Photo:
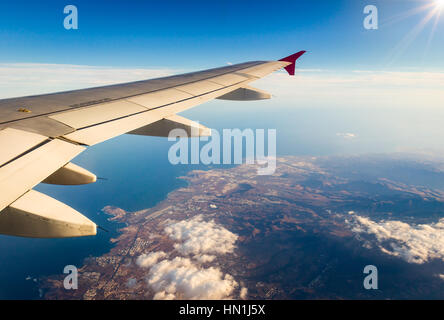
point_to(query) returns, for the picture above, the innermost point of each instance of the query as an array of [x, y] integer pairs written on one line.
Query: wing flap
[[230, 79], [86, 117], [15, 142], [200, 87], [160, 98], [43, 126], [22, 174], [101, 132]]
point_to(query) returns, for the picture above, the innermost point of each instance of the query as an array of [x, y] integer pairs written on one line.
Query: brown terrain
[[292, 240]]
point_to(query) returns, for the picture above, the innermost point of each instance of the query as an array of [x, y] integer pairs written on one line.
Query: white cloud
[[150, 259], [358, 88], [205, 258], [347, 135], [310, 87], [22, 79], [243, 293], [185, 277], [199, 237], [181, 278], [413, 243]]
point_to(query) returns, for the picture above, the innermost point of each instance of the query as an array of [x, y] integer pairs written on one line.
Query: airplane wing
[[40, 135]]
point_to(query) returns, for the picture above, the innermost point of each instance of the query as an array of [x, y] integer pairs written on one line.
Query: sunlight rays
[[439, 4], [435, 9], [407, 14]]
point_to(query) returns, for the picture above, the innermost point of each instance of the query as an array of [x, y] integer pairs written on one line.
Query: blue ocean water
[[139, 175]]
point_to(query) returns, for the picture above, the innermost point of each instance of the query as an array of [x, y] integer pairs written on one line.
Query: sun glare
[[432, 10]]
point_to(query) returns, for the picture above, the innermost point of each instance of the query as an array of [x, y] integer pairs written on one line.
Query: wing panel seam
[[162, 106], [26, 152]]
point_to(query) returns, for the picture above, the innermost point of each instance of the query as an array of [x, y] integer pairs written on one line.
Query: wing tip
[[292, 59]]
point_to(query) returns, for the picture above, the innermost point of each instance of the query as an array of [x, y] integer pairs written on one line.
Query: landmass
[[305, 232]]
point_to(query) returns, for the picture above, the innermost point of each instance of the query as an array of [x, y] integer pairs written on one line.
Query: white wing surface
[[40, 135]]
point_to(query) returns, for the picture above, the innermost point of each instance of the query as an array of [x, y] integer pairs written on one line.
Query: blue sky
[[201, 34]]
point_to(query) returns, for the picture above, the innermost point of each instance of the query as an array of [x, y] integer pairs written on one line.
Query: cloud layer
[[182, 278], [198, 237], [310, 86], [412, 243], [358, 88], [150, 259], [346, 135], [22, 79], [187, 276]]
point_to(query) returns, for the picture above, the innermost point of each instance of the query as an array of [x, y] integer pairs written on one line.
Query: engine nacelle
[[37, 215], [71, 175]]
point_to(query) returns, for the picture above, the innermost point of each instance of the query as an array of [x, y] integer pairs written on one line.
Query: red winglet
[[291, 67]]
